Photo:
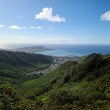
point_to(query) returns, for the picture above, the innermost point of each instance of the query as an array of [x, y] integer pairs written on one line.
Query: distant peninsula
[[32, 49]]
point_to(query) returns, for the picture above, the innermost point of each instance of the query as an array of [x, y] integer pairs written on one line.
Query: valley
[[58, 61], [54, 83], [54, 54]]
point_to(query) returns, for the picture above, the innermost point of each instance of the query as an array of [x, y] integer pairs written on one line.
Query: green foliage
[[85, 85], [73, 86], [10, 101], [14, 66], [22, 58]]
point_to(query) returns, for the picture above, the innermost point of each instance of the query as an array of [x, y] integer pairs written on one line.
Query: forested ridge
[[22, 58], [75, 85], [14, 66]]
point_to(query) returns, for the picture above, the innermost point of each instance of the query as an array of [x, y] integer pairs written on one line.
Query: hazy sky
[[55, 21]]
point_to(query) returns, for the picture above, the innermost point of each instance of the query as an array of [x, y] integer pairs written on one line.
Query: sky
[[55, 21]]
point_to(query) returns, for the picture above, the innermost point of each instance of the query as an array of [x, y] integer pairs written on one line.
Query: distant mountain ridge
[[32, 49]]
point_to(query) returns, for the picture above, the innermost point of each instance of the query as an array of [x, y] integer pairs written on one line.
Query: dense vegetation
[[14, 66], [82, 85], [22, 58], [9, 99]]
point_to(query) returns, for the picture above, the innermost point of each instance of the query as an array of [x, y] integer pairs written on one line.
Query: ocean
[[76, 50], [67, 50]]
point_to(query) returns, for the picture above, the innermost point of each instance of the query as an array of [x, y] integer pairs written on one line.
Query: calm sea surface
[[68, 50], [76, 50]]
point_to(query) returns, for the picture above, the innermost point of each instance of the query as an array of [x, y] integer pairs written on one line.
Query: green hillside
[[22, 58], [74, 85], [15, 65], [87, 57]]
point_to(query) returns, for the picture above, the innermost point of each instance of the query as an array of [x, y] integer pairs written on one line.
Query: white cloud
[[2, 25], [47, 14], [32, 27], [39, 27], [105, 16], [15, 27], [23, 27]]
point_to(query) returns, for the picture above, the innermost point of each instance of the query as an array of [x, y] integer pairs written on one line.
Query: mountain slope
[[22, 58], [17, 64], [73, 86]]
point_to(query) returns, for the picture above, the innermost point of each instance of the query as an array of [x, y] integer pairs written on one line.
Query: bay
[[76, 50]]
